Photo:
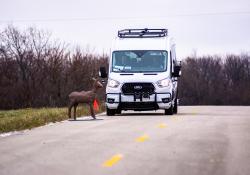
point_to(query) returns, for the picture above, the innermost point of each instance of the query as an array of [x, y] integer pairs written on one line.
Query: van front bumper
[[138, 101]]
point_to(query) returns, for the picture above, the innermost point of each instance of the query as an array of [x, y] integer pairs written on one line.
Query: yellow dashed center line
[[142, 138], [175, 118], [113, 160], [162, 125], [194, 111]]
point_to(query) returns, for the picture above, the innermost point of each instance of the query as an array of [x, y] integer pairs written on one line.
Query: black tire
[[175, 110], [169, 111], [118, 111], [110, 112]]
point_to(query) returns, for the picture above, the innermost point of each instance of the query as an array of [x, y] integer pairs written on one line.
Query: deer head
[[97, 84]]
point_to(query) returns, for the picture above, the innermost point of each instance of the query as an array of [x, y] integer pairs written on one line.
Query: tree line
[[215, 80], [38, 72]]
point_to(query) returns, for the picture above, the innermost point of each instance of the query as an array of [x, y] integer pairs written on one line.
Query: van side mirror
[[177, 71], [103, 72]]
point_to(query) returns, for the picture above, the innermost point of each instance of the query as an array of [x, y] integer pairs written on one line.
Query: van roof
[[158, 43]]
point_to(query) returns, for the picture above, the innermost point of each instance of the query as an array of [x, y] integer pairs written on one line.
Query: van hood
[[138, 77]]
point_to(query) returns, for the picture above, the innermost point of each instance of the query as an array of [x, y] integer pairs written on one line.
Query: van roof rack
[[142, 33]]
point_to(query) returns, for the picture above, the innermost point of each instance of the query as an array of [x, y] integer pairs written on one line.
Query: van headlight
[[113, 83], [164, 83]]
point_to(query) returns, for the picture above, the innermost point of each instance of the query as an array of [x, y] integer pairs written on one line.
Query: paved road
[[199, 140]]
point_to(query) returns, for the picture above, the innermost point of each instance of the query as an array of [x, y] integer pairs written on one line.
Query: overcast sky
[[204, 26]]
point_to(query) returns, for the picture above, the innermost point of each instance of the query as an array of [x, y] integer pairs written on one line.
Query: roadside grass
[[16, 120]]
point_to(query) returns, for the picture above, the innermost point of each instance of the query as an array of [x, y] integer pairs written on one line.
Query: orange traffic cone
[[95, 105]]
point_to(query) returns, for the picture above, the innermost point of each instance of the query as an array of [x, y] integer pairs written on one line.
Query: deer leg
[[69, 109], [92, 110], [75, 105]]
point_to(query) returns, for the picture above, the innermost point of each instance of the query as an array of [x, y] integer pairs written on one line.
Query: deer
[[87, 97]]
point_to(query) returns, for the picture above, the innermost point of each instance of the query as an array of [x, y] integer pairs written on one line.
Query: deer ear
[[93, 79]]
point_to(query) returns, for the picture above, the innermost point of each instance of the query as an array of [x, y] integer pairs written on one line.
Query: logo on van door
[[137, 87]]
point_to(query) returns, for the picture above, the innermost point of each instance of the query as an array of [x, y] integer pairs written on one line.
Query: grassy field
[[14, 120]]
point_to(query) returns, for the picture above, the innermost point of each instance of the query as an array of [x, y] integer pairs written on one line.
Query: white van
[[142, 73]]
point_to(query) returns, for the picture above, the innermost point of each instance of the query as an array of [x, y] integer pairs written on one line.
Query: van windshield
[[139, 61]]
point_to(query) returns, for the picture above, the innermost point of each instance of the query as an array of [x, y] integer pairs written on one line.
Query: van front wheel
[[169, 111], [118, 111], [110, 112], [175, 110]]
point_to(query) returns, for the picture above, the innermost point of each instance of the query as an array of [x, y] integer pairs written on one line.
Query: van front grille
[[138, 88]]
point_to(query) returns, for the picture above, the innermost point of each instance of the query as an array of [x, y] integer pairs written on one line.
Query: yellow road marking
[[113, 160], [194, 111], [175, 118], [142, 138], [162, 125]]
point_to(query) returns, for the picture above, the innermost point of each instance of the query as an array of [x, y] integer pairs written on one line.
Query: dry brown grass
[[14, 120]]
